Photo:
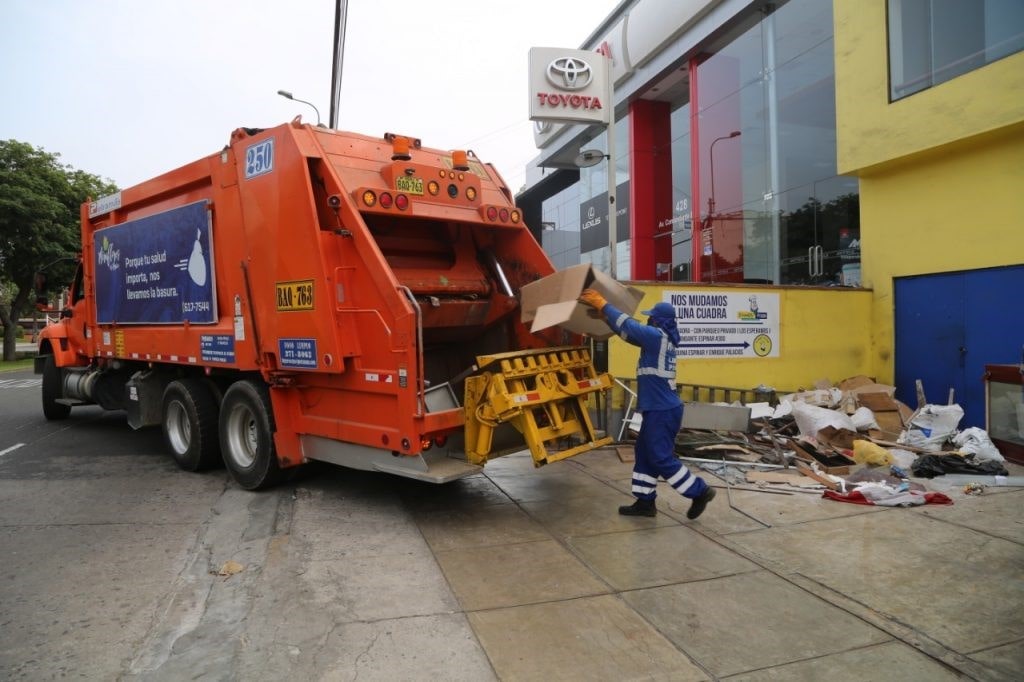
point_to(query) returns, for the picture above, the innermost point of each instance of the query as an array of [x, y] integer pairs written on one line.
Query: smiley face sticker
[[762, 345]]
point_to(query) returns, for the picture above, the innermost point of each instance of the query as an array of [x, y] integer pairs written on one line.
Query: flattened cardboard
[[551, 301]]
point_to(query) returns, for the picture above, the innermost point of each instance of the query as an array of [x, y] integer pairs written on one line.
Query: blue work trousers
[[656, 457]]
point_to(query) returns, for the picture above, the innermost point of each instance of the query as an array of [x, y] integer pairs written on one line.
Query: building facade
[[869, 144]]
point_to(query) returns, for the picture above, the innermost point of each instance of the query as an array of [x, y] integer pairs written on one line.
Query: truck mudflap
[[543, 394]]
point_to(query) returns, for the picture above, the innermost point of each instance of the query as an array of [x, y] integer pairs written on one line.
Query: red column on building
[[650, 187]]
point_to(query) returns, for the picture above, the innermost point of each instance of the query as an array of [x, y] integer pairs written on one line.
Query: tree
[[39, 208]]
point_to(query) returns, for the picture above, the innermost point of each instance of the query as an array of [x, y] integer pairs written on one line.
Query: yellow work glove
[[592, 298]]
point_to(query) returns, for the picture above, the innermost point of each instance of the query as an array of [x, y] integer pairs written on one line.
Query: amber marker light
[[400, 148], [471, 193], [433, 187], [515, 216], [369, 198]]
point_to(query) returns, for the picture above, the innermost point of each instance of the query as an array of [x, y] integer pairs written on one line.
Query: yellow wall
[[941, 171], [960, 208], [823, 333], [872, 131]]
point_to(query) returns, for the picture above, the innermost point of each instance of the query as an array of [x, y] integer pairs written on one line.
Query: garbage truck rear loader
[[311, 294]]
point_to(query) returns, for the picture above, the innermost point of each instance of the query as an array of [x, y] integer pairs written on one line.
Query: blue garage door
[[949, 326]]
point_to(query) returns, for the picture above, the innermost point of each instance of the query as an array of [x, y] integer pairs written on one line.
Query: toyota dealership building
[[873, 147]]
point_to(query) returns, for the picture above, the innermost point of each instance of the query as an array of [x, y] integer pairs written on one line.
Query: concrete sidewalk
[[524, 574]]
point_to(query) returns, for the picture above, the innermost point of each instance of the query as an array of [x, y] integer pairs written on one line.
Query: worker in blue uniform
[[659, 403]]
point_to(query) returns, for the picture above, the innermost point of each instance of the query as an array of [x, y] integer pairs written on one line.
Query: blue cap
[[662, 309]]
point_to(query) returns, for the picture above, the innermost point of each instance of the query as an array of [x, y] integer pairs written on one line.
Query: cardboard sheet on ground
[[551, 301]]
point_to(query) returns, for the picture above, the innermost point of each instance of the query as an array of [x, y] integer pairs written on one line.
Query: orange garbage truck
[[312, 294]]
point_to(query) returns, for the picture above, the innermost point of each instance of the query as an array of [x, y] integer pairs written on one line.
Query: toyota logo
[[569, 73]]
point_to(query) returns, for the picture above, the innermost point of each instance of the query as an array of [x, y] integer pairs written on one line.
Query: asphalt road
[[112, 562]]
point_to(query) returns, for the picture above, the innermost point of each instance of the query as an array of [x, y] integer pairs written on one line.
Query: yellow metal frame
[[542, 393]]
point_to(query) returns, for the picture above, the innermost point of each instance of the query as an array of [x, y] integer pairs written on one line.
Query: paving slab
[[931, 575], [498, 524], [594, 638], [995, 513], [657, 556], [591, 515], [557, 484], [604, 463], [1006, 662], [509, 575], [471, 492], [749, 622], [890, 661], [440, 647]]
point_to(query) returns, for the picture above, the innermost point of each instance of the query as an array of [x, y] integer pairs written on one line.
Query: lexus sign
[[568, 85]]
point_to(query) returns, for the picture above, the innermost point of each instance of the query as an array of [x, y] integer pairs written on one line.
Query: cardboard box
[[551, 301]]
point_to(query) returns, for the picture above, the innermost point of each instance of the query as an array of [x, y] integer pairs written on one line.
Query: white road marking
[[20, 383], [11, 449]]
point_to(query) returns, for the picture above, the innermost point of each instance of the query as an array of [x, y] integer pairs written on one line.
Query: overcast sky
[[128, 89]]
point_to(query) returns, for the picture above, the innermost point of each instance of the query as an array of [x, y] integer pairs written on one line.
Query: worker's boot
[[700, 502], [639, 508]]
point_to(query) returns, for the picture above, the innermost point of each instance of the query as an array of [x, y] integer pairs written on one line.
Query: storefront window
[[560, 236], [679, 229], [593, 206], [772, 208]]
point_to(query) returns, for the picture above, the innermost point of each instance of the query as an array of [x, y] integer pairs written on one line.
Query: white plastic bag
[[864, 419], [975, 441], [931, 426], [811, 419]]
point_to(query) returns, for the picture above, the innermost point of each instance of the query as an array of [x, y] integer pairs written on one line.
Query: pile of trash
[[854, 440]]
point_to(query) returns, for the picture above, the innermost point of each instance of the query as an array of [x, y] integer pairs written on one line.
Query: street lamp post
[[288, 95], [709, 223], [711, 198]]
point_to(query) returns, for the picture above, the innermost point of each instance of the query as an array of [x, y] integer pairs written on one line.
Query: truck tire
[[190, 425], [247, 436], [52, 391]]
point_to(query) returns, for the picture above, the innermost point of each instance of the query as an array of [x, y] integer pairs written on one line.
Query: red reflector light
[[401, 202], [492, 213], [386, 200], [440, 441], [503, 213]]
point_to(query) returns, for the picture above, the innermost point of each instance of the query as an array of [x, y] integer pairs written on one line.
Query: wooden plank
[[779, 477], [808, 471]]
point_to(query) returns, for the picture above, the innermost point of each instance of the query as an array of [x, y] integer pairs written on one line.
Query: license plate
[[409, 185]]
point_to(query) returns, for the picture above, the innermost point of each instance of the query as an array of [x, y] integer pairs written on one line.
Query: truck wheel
[[52, 391], [190, 425], [247, 436]]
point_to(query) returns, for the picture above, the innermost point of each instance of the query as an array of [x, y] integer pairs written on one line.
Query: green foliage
[[40, 200]]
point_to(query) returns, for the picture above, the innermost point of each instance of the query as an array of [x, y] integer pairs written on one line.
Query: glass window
[[933, 41], [805, 118], [679, 230]]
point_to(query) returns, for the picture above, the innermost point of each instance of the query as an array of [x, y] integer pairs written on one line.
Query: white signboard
[[568, 85], [716, 324]]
